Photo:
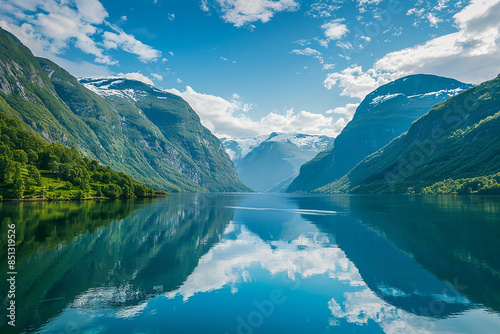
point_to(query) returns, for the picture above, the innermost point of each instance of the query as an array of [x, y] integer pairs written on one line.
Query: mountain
[[132, 127], [456, 139], [384, 114], [32, 168], [270, 163]]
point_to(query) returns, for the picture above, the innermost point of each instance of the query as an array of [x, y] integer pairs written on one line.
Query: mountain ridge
[[456, 139], [182, 156], [383, 115]]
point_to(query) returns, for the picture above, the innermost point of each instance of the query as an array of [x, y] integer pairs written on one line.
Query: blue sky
[[250, 67]]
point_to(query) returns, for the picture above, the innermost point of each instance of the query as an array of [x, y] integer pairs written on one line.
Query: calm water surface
[[257, 263]]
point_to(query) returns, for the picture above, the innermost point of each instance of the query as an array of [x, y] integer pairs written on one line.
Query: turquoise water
[[258, 263]]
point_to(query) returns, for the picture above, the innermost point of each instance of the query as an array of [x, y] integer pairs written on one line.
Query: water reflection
[[207, 263], [123, 263], [454, 238]]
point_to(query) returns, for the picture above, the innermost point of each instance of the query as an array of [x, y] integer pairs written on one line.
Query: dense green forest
[[31, 168], [482, 185]]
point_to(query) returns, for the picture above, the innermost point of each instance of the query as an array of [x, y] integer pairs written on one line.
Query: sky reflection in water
[[282, 263]]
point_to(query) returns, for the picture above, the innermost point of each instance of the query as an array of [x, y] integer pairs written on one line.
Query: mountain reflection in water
[[241, 263]]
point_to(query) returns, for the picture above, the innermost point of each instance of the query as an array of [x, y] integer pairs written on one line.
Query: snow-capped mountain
[[269, 163], [238, 148], [384, 114]]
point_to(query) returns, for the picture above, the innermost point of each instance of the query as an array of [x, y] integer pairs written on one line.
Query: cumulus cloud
[[49, 27], [433, 20], [335, 29], [346, 111], [137, 76], [228, 118], [244, 12], [469, 55], [355, 82]]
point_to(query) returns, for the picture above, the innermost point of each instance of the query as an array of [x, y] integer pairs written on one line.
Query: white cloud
[[469, 55], [204, 6], [309, 52], [347, 111], [355, 82], [322, 10], [229, 118], [179, 80], [137, 76], [442, 4], [368, 2], [306, 52], [303, 42], [243, 12], [363, 4], [415, 11], [49, 27], [335, 29], [433, 20], [128, 43], [157, 76]]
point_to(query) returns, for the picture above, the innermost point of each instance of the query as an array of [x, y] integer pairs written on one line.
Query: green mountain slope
[[157, 138], [383, 115], [165, 125], [31, 168], [457, 139]]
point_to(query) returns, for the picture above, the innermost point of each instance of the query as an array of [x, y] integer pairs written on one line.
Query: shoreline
[[14, 200]]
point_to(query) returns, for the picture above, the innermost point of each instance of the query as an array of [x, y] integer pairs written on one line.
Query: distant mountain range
[[383, 115], [269, 163], [147, 133]]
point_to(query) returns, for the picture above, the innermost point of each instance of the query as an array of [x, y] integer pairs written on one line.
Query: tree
[[34, 174], [18, 183], [32, 156], [112, 191], [53, 167], [85, 185], [7, 169], [127, 191], [106, 177], [20, 156]]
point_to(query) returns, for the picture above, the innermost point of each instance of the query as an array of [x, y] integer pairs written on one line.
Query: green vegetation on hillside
[[482, 185], [384, 114], [457, 139], [30, 168], [151, 135]]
